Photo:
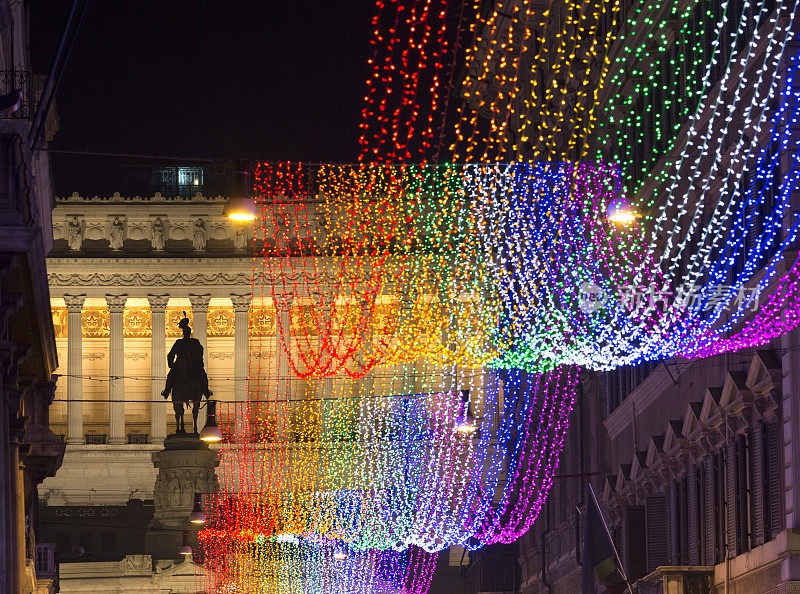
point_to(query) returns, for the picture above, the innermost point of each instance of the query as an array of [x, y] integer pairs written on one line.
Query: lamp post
[[211, 433], [465, 422], [240, 206]]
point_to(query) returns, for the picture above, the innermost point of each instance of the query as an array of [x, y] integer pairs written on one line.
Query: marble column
[[74, 369], [367, 383], [200, 332], [241, 355], [158, 367], [283, 304], [116, 369]]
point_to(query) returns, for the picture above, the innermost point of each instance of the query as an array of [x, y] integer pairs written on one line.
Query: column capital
[[200, 302], [241, 303], [283, 299], [116, 303], [158, 303], [74, 302]]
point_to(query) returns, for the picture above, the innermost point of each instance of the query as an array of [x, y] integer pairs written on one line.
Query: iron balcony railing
[[24, 81]]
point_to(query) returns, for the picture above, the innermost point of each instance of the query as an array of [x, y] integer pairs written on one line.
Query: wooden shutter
[[635, 545], [655, 508], [708, 499], [692, 512], [742, 495], [683, 526], [759, 487], [775, 460], [672, 492], [730, 498]]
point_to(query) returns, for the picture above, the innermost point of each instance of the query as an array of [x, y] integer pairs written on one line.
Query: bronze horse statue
[[187, 380]]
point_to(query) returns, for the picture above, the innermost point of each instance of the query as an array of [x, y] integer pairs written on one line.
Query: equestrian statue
[[187, 380]]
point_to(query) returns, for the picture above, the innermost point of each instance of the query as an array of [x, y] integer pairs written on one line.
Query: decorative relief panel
[[60, 321], [175, 315], [303, 323], [262, 321], [385, 318], [220, 321], [137, 322], [95, 322]]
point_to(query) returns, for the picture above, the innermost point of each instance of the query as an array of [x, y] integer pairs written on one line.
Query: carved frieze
[[148, 280]]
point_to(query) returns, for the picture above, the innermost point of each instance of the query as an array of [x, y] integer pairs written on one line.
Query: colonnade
[[158, 365]]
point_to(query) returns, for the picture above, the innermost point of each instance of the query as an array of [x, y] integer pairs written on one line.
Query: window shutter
[[775, 458], [708, 499], [635, 544], [743, 482], [683, 526], [656, 530], [693, 511], [758, 490], [672, 492], [730, 498]]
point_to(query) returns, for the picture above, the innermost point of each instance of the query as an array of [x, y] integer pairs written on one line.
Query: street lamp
[[620, 211], [185, 550], [465, 422], [197, 516], [339, 554], [240, 206], [211, 432]]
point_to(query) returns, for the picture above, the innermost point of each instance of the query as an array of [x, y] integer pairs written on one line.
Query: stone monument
[[185, 466]]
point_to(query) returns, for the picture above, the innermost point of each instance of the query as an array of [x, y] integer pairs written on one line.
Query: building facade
[[29, 451], [123, 271]]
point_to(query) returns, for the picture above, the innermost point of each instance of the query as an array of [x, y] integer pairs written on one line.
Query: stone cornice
[[641, 398], [117, 198], [139, 279]]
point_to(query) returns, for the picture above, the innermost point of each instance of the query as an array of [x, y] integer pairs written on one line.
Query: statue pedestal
[[185, 466]]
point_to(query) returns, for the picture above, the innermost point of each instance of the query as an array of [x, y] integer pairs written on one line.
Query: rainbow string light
[[404, 106], [410, 283], [400, 474]]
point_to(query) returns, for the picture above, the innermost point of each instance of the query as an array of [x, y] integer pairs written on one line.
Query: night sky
[[274, 79]]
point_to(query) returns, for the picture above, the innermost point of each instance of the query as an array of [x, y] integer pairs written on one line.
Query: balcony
[[679, 579], [24, 81], [46, 566]]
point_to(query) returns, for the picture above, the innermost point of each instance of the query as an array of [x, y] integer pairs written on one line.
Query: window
[[655, 510], [109, 542], [63, 543], [190, 181], [773, 511], [178, 181], [624, 380], [86, 540]]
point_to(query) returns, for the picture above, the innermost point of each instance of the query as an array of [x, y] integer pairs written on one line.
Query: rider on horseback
[[187, 380]]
